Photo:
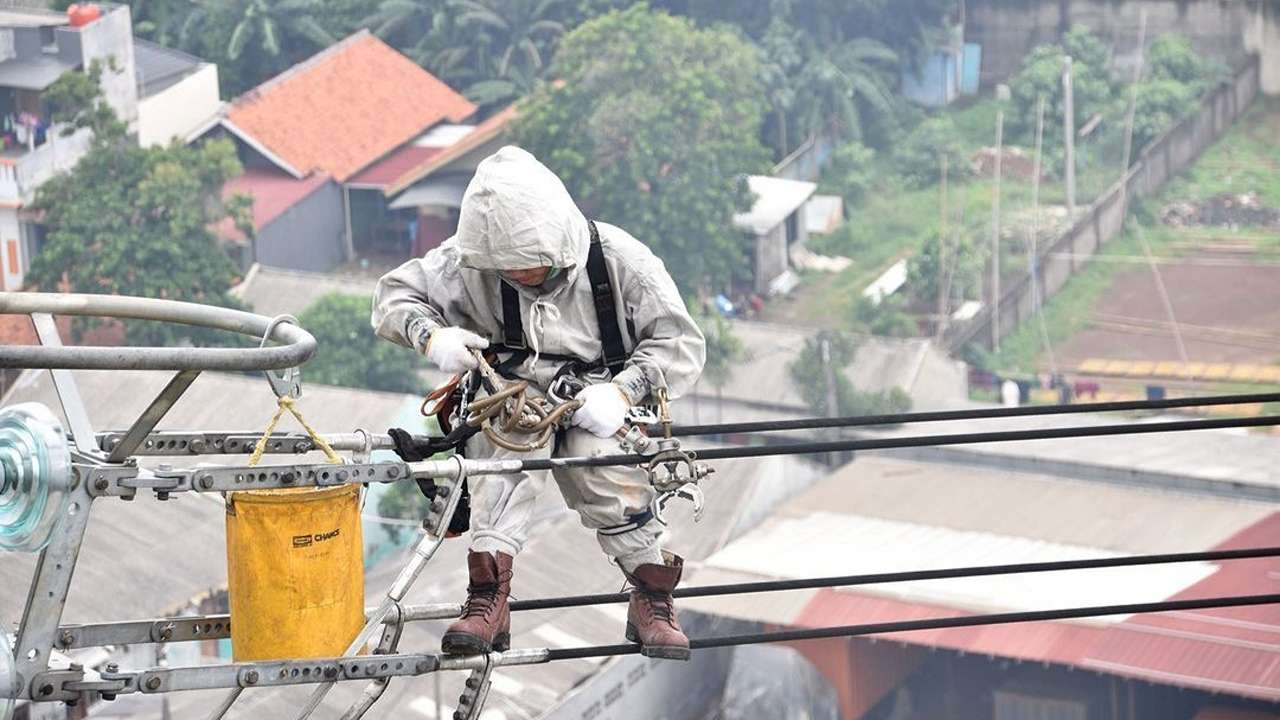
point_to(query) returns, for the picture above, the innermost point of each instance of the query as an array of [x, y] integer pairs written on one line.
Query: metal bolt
[[112, 443], [101, 484], [206, 482], [66, 639], [301, 446], [197, 446], [166, 632], [112, 667], [422, 666], [330, 673], [288, 478], [393, 471], [153, 683], [342, 476], [46, 690], [75, 667], [162, 494], [251, 677]]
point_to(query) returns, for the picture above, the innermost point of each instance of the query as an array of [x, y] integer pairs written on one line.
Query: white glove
[[450, 349], [604, 409]]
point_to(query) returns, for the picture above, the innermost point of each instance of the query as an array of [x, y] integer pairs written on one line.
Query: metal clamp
[[476, 689]]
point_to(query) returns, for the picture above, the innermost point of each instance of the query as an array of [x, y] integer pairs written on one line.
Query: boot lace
[[481, 599], [660, 604]]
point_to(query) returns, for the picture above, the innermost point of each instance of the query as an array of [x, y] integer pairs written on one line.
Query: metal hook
[[288, 383]]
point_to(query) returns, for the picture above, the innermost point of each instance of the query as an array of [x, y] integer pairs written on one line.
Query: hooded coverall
[[516, 214]]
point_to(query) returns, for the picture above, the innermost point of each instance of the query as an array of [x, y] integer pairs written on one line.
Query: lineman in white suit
[[519, 228]]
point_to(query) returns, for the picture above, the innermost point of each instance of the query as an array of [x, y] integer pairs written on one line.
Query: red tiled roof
[[345, 107], [1234, 651], [389, 169], [273, 192]]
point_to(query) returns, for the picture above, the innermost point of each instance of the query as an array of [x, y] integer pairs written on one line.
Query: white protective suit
[[516, 214]]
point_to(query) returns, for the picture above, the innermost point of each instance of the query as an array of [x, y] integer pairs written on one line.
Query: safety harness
[[613, 351]]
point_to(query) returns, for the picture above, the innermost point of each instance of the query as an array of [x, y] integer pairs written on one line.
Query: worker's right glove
[[603, 411], [450, 349]]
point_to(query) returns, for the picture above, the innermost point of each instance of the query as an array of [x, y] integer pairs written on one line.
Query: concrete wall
[[1164, 158], [1008, 29], [176, 111], [109, 39], [307, 236], [1264, 39]]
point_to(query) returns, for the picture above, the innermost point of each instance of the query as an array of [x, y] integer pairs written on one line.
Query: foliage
[[838, 89], [961, 261], [653, 128], [253, 40], [136, 221], [1041, 76], [889, 317], [349, 354], [850, 172], [76, 98], [829, 353], [724, 349], [1158, 106], [918, 157], [1171, 57]]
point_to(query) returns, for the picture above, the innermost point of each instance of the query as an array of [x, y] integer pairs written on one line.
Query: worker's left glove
[[603, 411]]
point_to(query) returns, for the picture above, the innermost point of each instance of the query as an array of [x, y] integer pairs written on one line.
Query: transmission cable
[[971, 414], [596, 651]]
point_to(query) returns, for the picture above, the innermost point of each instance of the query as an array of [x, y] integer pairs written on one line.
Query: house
[[36, 48], [322, 141], [435, 185], [945, 72], [160, 94], [774, 224]]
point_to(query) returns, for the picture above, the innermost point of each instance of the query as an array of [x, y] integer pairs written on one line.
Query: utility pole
[[995, 236], [941, 325], [1069, 137]]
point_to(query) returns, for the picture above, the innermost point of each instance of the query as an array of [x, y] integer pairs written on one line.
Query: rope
[[908, 576], [913, 441], [509, 406], [977, 414], [929, 624], [284, 403]]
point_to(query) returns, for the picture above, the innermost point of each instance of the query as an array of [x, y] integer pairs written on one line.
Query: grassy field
[[1246, 159]]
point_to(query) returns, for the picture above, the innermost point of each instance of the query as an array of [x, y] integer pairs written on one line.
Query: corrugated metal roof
[[157, 67], [776, 199], [387, 170], [900, 515]]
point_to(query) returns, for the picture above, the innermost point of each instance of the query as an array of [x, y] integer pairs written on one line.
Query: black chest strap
[[613, 351]]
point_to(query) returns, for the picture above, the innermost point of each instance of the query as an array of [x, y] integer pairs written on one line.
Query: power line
[[928, 624], [909, 576], [975, 414], [808, 448]]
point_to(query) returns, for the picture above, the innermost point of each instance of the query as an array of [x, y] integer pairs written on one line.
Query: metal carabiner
[[289, 382]]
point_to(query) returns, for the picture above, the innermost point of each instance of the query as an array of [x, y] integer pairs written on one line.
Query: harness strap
[[613, 351], [634, 522]]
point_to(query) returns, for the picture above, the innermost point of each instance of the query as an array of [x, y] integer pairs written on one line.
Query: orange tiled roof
[[345, 107]]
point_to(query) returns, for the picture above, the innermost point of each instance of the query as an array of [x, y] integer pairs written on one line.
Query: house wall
[[307, 236], [179, 109], [12, 262], [1264, 38], [110, 40], [771, 256]]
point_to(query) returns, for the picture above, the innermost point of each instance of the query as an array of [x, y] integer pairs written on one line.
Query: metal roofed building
[[775, 223], [882, 514]]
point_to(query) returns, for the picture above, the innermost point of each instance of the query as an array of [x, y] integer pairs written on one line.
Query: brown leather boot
[[486, 618], [651, 617]]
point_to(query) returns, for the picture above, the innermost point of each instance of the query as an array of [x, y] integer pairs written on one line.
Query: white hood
[[516, 214]]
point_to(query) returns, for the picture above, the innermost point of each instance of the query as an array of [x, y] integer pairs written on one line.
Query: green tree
[[724, 349], [849, 173], [75, 98], [826, 355], [845, 87], [1158, 106], [1041, 76], [960, 270], [918, 157], [654, 127], [509, 43], [349, 354], [1171, 57], [136, 221], [253, 40]]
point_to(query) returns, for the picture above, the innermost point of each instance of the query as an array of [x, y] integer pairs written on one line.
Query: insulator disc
[[8, 676], [35, 474]]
